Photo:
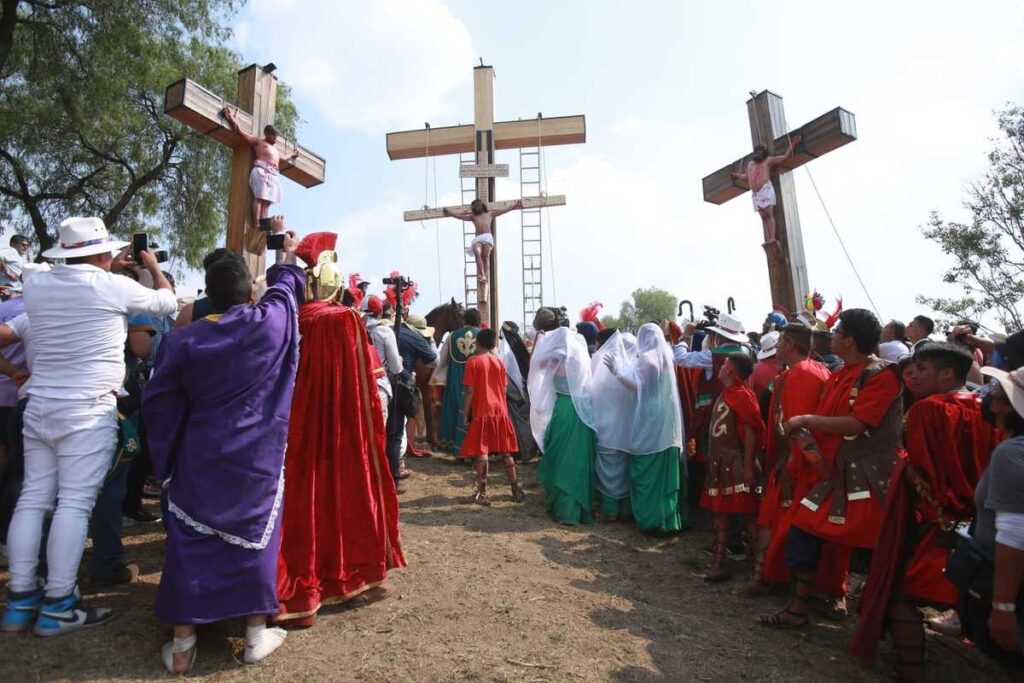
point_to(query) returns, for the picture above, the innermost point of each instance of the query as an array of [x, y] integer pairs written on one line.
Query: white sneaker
[[260, 642]]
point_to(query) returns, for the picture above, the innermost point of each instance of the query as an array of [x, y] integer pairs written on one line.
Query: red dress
[[725, 490], [948, 445], [872, 403], [339, 526], [490, 429]]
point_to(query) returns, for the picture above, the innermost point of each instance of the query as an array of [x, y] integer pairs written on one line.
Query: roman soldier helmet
[[324, 275]]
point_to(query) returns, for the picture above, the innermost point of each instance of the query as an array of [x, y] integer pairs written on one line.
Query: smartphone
[[140, 243], [265, 224], [275, 241]]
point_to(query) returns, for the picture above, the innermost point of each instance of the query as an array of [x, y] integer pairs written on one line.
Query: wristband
[[1004, 606]]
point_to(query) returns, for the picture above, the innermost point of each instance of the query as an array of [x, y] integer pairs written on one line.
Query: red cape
[[339, 531], [948, 445]]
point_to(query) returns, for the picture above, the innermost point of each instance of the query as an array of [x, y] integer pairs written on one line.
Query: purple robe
[[216, 414]]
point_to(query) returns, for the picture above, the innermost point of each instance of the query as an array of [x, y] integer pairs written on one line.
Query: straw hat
[[81, 236]]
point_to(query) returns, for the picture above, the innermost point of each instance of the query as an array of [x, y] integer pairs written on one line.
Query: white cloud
[[369, 66]]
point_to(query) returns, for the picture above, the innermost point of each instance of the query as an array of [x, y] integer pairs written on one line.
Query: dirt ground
[[499, 594]]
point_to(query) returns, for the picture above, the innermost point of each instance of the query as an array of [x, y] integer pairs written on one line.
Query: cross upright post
[[482, 138], [198, 108], [787, 268]]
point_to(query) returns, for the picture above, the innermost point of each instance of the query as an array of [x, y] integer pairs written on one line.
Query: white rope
[[849, 259]]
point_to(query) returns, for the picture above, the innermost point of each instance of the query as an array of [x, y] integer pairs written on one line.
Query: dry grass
[[499, 594]]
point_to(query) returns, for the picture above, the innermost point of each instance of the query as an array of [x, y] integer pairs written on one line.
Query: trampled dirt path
[[499, 594]]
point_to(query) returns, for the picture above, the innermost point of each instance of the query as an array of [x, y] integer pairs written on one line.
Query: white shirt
[[21, 328], [14, 262], [79, 317]]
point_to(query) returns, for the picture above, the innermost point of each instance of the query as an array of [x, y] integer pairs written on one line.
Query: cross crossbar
[[528, 203]]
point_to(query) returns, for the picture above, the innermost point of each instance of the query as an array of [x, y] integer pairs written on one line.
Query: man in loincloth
[[758, 178], [483, 243], [264, 178]]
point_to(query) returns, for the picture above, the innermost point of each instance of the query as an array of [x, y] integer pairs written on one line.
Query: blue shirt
[[412, 347]]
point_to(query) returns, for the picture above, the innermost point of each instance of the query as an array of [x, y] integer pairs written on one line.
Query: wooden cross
[[787, 271], [483, 137], [198, 108]]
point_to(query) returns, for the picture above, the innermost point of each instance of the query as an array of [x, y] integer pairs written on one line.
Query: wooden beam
[[198, 108], [483, 170], [822, 135], [561, 130], [528, 203], [413, 144]]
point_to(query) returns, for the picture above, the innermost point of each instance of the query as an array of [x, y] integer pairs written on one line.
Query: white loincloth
[[486, 238], [265, 183], [764, 197]]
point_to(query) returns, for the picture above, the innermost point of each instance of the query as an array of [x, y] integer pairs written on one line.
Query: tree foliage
[[647, 305], [988, 251], [82, 127]]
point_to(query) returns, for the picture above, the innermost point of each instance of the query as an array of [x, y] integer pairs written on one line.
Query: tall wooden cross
[[198, 108], [483, 137], [788, 273]]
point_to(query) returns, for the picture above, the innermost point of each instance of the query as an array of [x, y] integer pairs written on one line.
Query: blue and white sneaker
[[69, 613], [22, 609]]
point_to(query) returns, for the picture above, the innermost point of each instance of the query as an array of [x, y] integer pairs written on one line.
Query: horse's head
[[446, 318]]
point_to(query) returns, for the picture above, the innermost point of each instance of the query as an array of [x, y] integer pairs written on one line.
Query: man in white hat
[[768, 366], [78, 314]]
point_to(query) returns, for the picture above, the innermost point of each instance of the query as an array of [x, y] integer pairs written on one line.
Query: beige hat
[[81, 236], [1012, 383], [730, 327], [419, 323]]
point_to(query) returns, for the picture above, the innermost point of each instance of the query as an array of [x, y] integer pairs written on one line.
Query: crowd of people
[[272, 419]]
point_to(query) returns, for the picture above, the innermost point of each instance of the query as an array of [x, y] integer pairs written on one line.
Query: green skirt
[[654, 491], [567, 468]]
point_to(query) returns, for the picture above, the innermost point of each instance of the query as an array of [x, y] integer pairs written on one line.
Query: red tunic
[[948, 445], [490, 429], [339, 527], [725, 490], [863, 517], [798, 392], [764, 372]]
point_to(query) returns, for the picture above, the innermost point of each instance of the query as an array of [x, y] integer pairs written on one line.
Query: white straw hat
[[769, 342], [1012, 383], [730, 327], [81, 236]]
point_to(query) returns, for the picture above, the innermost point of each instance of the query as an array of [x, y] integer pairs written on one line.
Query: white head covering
[[637, 410], [511, 365], [629, 341], [560, 365]]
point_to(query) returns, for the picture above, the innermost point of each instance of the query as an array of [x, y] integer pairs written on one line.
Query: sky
[[663, 87]]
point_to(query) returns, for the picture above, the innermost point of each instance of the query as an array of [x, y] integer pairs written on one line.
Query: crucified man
[[264, 180], [758, 179], [483, 243]]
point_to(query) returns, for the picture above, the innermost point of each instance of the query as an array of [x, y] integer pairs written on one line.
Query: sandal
[[776, 620], [175, 647], [518, 494]]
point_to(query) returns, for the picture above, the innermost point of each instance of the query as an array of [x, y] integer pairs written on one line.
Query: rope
[[426, 196], [546, 222], [849, 259]]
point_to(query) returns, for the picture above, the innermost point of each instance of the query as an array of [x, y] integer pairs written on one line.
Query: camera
[[275, 240], [710, 317], [140, 243], [561, 315], [400, 281]]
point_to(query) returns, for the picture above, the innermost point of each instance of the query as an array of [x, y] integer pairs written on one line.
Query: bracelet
[[1004, 606]]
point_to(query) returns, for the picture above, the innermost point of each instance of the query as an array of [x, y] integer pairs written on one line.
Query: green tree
[[647, 305], [82, 127], [988, 250]]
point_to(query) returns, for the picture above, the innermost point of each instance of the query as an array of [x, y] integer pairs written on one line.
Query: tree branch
[[114, 214]]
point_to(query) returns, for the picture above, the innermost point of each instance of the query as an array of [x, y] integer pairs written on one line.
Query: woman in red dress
[[489, 429]]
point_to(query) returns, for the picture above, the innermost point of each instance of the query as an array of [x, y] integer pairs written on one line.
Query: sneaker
[[22, 609], [947, 623], [139, 517], [58, 616], [120, 575]]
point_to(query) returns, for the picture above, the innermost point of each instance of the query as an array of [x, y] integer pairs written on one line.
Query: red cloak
[[948, 445], [339, 530]]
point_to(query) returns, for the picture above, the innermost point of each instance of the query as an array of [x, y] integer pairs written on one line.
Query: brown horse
[[444, 319]]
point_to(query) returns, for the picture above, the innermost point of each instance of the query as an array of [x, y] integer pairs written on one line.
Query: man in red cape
[[947, 446], [340, 514], [788, 476], [855, 434]]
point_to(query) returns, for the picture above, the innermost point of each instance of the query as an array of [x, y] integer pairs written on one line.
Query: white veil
[[560, 365], [511, 365], [637, 409]]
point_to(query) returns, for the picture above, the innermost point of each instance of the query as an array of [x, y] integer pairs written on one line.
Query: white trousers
[[69, 445]]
